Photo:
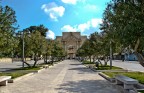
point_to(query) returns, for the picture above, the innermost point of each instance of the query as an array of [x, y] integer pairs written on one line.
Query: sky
[[59, 15]]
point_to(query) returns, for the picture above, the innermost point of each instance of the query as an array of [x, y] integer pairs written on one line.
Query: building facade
[[71, 41]]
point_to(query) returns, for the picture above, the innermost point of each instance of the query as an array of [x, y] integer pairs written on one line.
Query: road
[[69, 76]]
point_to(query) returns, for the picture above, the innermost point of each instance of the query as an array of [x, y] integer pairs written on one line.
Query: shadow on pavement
[[75, 64], [87, 86], [5, 69], [82, 69]]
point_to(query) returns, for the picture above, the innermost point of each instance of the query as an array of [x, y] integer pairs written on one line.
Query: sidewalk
[[69, 76]]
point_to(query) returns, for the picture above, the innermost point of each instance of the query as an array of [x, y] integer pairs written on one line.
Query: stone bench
[[4, 80], [127, 82]]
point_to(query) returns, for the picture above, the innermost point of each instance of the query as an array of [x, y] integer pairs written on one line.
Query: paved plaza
[[128, 65], [68, 76]]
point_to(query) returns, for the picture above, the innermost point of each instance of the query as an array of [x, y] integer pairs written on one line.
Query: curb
[[113, 70], [29, 74], [90, 68], [24, 76], [38, 71], [112, 80], [19, 78], [106, 70]]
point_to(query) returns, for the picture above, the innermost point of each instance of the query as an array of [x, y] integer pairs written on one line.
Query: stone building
[[71, 41]]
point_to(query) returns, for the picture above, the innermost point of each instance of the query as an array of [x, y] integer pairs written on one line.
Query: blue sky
[[59, 15]]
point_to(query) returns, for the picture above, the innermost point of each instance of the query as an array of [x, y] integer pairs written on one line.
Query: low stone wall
[[5, 60], [19, 59], [12, 59]]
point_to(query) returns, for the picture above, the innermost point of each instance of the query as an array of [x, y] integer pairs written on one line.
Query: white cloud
[[50, 35], [83, 27], [70, 1], [91, 24], [53, 10], [68, 28], [95, 22], [73, 2]]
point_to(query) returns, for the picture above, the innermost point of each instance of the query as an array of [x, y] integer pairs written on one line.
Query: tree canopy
[[7, 29], [123, 22]]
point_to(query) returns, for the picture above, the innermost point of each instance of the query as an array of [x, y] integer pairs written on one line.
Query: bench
[[127, 82], [4, 80]]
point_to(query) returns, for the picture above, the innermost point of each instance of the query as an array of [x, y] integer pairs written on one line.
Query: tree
[[41, 28], [125, 20], [34, 42], [8, 26], [38, 45], [96, 44], [48, 48], [85, 50], [57, 51]]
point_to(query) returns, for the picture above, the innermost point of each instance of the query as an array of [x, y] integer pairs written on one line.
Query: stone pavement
[[129, 65], [68, 76]]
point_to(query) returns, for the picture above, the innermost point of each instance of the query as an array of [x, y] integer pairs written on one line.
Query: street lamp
[[21, 33]]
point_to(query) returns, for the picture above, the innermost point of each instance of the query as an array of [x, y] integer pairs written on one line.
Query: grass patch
[[108, 68], [28, 68], [101, 67], [14, 74], [135, 75], [87, 62], [49, 64], [19, 71], [141, 91]]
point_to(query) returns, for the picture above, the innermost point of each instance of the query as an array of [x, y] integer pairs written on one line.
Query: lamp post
[[110, 55], [23, 56], [21, 33]]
